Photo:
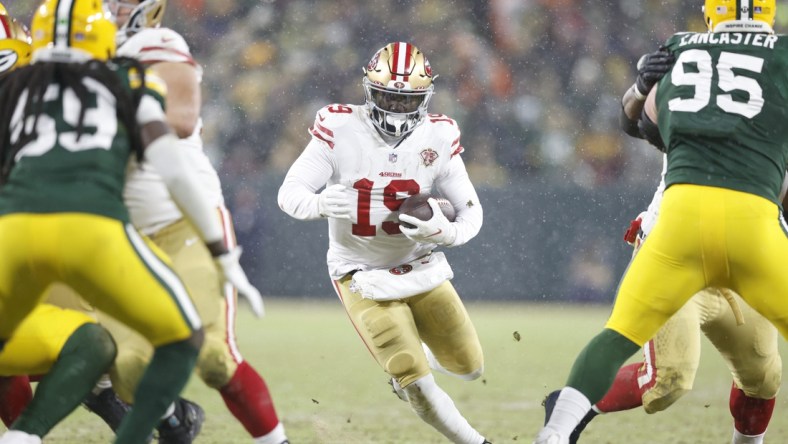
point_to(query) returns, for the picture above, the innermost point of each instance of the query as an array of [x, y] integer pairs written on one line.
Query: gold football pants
[[394, 330]]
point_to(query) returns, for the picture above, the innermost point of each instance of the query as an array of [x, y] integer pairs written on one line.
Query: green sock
[[162, 382], [86, 355], [597, 365]]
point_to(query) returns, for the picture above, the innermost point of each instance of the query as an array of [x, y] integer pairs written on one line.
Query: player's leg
[[664, 274], [15, 395], [448, 333], [667, 372], [102, 400], [220, 364], [70, 349], [752, 354], [389, 331], [145, 294]]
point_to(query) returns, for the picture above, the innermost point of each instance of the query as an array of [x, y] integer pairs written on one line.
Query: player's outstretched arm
[[175, 169]]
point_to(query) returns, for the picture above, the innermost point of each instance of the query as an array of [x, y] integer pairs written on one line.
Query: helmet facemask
[[396, 112], [145, 14], [398, 88]]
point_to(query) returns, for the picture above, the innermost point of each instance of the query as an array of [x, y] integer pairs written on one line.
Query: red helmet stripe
[[401, 60], [5, 29]]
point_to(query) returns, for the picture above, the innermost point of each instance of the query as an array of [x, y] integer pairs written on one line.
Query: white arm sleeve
[[175, 168], [456, 186], [649, 217], [310, 172], [149, 110]]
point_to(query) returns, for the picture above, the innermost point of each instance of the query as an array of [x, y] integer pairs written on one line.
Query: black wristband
[[217, 248], [630, 127], [650, 131]]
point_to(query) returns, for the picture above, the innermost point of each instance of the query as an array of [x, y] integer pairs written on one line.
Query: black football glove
[[652, 67]]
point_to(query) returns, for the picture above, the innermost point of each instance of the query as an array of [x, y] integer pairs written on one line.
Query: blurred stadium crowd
[[535, 85]]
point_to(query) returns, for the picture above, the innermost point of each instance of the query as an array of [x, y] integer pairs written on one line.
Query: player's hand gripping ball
[[418, 207]]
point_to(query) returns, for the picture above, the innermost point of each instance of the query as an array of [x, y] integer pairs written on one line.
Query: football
[[418, 207]]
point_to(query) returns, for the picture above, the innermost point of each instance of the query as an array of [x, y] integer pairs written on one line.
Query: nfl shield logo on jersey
[[428, 156], [392, 157]]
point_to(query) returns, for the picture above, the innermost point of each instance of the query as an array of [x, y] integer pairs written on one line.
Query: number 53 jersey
[[378, 175], [723, 110]]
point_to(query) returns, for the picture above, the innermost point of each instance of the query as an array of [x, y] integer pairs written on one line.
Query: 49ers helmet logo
[[428, 156]]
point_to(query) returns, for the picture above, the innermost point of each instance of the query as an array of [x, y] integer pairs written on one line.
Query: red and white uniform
[[146, 195], [347, 149]]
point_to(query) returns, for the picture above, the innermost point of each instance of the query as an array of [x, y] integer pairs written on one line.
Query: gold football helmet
[[134, 16], [67, 26], [15, 48], [718, 11], [398, 87]]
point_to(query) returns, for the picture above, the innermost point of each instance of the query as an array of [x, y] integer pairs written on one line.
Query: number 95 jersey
[[378, 175]]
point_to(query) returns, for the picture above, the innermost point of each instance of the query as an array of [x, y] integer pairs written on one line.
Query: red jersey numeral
[[364, 186], [341, 109]]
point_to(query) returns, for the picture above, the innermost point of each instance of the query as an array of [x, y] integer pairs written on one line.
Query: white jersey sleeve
[[150, 204], [649, 217], [310, 172], [456, 186]]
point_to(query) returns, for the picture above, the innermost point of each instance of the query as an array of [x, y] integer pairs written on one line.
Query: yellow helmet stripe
[[62, 31]]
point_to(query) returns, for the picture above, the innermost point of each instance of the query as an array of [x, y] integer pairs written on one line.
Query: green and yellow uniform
[[62, 217], [722, 112]]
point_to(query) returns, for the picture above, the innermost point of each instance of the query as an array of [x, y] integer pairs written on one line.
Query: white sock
[[570, 408], [275, 436], [103, 383], [19, 437], [739, 438], [436, 408], [170, 411]]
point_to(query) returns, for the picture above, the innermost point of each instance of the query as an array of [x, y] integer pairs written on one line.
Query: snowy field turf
[[327, 389]]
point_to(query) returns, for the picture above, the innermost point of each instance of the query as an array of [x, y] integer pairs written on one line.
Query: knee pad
[[382, 328], [670, 385], [215, 365], [763, 384]]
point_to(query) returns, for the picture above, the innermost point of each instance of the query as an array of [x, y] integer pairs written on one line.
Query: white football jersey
[[347, 149], [150, 205]]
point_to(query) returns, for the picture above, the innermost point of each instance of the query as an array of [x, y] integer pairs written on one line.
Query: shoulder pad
[[154, 85], [329, 118], [153, 45], [446, 128]]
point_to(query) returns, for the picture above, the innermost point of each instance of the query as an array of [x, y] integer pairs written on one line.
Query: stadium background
[[535, 86]]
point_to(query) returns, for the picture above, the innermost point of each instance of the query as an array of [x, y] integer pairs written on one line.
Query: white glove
[[437, 230], [334, 202], [231, 269]]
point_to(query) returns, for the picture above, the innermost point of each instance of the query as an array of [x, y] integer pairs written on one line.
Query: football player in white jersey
[[393, 284], [220, 364]]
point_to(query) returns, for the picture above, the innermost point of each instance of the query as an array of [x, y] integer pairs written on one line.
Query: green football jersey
[[723, 111], [60, 172]]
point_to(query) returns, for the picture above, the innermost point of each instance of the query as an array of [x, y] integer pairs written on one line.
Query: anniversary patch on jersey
[[428, 156]]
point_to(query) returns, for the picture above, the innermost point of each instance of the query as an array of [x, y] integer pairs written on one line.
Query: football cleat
[[107, 406], [549, 405], [183, 425]]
